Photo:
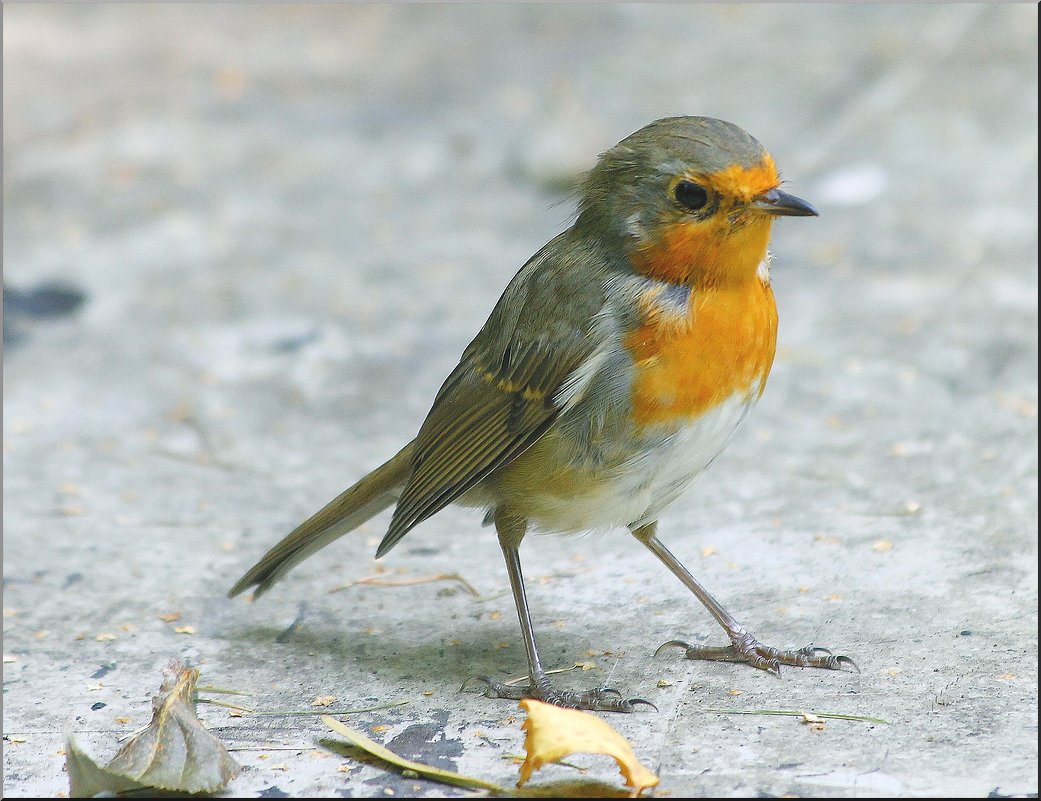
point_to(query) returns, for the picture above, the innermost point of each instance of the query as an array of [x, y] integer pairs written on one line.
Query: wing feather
[[501, 397]]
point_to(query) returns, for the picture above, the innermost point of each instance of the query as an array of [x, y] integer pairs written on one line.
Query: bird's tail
[[370, 496]]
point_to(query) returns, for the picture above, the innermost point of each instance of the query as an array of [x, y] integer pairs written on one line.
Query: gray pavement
[[285, 224]]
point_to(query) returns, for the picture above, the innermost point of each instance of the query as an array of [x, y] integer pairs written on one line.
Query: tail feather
[[370, 496]]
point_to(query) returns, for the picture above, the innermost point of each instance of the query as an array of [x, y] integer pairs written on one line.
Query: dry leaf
[[553, 733], [359, 740], [174, 752], [87, 779]]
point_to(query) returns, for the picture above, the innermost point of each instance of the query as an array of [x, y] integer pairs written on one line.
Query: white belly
[[636, 492]]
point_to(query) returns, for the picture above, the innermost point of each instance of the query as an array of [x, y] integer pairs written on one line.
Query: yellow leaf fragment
[[816, 722], [553, 733]]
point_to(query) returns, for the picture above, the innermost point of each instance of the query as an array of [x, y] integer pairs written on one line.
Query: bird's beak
[[781, 204]]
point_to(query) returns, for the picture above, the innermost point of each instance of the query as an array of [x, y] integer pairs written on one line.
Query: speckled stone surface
[[243, 246]]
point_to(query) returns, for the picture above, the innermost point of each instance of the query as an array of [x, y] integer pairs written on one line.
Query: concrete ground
[[243, 246]]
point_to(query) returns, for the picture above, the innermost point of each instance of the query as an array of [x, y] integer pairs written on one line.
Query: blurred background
[[243, 245]]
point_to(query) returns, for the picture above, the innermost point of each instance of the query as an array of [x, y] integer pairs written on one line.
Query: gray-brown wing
[[500, 398]]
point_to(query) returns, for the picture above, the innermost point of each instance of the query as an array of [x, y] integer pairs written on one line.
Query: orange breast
[[724, 346]]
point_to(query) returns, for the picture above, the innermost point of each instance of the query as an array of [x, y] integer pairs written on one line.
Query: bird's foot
[[597, 700], [746, 648]]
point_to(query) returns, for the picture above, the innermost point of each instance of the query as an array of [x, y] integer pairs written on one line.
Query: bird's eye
[[691, 195]]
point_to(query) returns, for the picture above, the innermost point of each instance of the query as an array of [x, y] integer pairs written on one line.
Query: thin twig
[[383, 581], [794, 714]]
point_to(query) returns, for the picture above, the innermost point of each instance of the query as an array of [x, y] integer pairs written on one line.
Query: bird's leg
[[511, 530], [743, 646]]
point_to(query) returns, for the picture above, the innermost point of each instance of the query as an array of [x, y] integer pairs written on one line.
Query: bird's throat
[[701, 253]]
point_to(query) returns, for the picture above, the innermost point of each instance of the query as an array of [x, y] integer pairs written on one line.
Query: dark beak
[[783, 205]]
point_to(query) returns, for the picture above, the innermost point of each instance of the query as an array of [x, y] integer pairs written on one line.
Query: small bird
[[613, 371]]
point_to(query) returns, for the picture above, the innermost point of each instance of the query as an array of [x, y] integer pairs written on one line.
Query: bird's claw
[[745, 648], [604, 699]]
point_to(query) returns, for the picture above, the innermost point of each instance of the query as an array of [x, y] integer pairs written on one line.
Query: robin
[[611, 373]]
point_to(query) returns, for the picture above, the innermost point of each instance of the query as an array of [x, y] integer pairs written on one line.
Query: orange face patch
[[706, 252], [727, 246], [742, 183]]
